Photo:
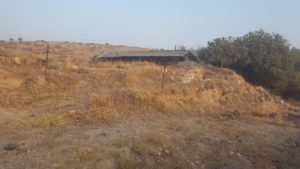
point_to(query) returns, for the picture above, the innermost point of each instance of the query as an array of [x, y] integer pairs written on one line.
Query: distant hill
[[78, 51]]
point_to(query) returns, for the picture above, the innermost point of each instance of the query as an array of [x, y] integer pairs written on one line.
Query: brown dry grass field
[[117, 116]]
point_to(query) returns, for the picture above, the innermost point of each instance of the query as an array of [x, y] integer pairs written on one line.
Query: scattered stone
[[56, 165], [72, 111], [17, 60], [173, 79], [10, 147], [160, 151], [167, 152], [89, 149]]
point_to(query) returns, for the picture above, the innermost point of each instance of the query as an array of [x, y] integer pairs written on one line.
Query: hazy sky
[[147, 23]]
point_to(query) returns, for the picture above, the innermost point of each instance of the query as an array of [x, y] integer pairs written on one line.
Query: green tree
[[223, 52], [262, 58], [268, 59], [296, 58], [20, 39], [181, 47]]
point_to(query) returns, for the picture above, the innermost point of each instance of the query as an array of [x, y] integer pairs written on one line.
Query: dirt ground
[[117, 116], [188, 140]]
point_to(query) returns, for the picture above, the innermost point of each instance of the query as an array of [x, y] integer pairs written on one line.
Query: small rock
[[167, 151], [72, 111], [89, 149], [17, 60], [239, 155], [10, 147]]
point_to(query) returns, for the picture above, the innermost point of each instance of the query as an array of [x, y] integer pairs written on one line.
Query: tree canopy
[[262, 58]]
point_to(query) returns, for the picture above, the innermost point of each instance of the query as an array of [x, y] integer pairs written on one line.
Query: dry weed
[[48, 121]]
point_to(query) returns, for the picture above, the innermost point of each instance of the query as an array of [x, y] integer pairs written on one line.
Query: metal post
[[163, 78], [46, 64]]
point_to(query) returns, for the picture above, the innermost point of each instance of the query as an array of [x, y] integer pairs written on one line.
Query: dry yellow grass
[[28, 52], [122, 87], [109, 90], [116, 115]]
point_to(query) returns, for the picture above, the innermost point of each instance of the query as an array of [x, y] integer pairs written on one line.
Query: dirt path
[[155, 141]]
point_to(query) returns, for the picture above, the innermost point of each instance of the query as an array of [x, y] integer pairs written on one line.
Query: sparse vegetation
[[115, 115], [20, 39]]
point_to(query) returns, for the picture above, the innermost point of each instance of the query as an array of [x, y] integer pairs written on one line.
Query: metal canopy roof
[[167, 53]]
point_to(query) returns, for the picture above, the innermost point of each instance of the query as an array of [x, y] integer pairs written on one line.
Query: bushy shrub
[[261, 58]]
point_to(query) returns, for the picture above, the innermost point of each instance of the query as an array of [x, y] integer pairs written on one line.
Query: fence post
[[46, 64], [163, 78]]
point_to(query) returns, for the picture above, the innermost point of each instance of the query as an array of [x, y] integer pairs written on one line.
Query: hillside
[[58, 50], [116, 115]]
